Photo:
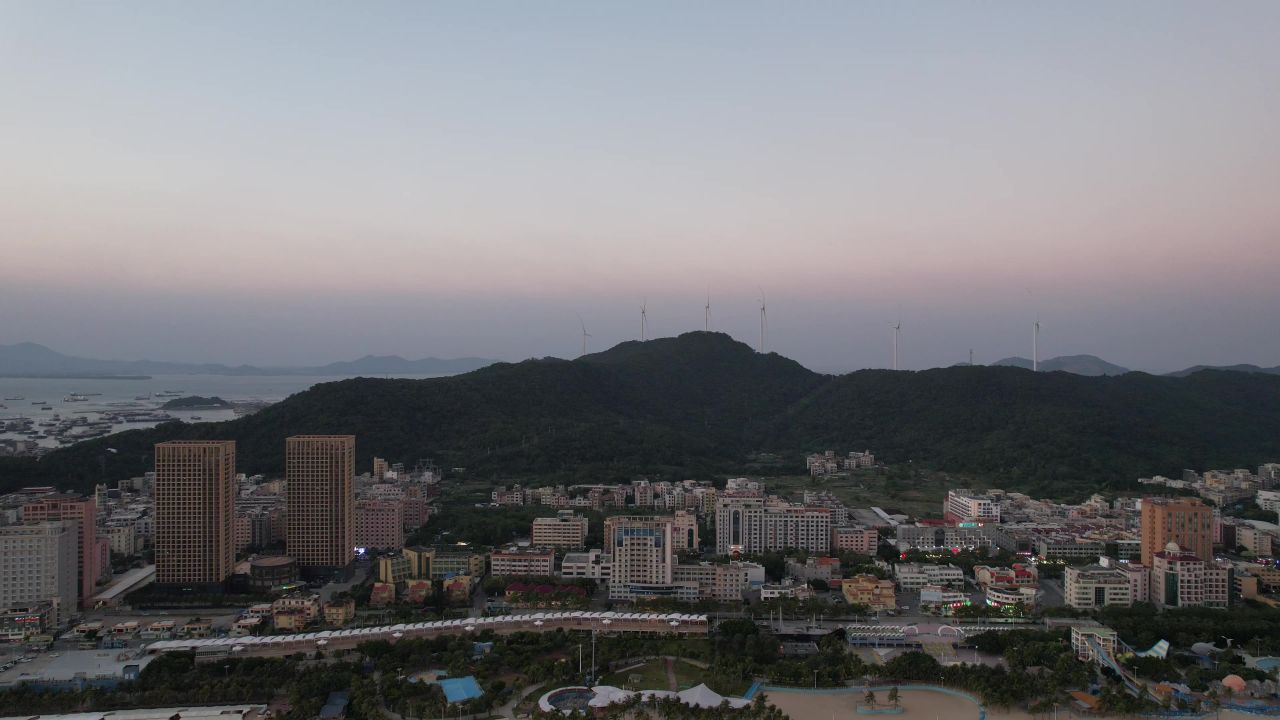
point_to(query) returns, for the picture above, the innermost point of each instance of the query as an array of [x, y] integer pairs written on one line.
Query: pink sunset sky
[[302, 182]]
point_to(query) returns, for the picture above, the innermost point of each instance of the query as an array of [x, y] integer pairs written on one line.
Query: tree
[[893, 695], [869, 698]]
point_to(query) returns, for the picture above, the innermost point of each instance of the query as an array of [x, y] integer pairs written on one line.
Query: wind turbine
[[707, 320], [764, 320], [644, 321], [585, 334], [1035, 346], [897, 336]]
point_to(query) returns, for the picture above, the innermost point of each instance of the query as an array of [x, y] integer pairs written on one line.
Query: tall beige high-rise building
[[195, 507], [320, 493], [1185, 521]]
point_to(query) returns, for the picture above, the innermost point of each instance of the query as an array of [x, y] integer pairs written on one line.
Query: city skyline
[[453, 182]]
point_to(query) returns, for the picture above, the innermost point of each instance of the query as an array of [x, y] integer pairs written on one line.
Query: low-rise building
[[523, 561], [308, 603], [869, 590], [814, 568], [785, 589], [722, 582], [1096, 586], [566, 530], [855, 538], [593, 565], [1020, 574], [942, 599], [914, 576], [1006, 595], [339, 612]]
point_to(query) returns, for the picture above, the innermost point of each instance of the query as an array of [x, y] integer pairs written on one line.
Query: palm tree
[[869, 698], [893, 695]]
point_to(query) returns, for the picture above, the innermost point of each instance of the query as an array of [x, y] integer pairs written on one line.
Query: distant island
[[196, 402], [32, 360]]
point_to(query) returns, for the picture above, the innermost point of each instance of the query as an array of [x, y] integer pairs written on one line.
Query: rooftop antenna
[[707, 320], [764, 320], [585, 335], [644, 321]]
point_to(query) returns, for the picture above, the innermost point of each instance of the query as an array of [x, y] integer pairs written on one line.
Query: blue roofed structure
[[461, 689]]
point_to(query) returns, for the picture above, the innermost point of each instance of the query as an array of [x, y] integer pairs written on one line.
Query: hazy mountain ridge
[[35, 360], [702, 403], [1243, 367], [1089, 365]]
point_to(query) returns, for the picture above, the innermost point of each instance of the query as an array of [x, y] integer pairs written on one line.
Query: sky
[[301, 182]]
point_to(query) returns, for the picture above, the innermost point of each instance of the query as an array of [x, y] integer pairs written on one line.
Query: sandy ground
[[918, 704]]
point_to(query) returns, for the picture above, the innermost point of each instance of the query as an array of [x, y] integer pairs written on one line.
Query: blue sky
[[298, 182]]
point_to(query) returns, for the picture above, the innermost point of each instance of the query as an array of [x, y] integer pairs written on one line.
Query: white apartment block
[[1094, 586], [745, 525], [913, 576], [567, 529], [38, 565], [1268, 500], [970, 506]]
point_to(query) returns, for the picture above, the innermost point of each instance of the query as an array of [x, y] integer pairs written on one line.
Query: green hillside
[[701, 403]]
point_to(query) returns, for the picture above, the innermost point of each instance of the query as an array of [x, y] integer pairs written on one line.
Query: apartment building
[[970, 506], [379, 524], [320, 495], [38, 565], [83, 513], [566, 530], [194, 506], [1188, 522], [747, 525]]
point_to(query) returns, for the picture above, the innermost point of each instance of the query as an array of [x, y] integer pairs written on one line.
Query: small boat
[[40, 402], [75, 397], [15, 398], [46, 407], [141, 397]]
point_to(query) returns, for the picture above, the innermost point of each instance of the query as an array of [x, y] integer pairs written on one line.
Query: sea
[[27, 397]]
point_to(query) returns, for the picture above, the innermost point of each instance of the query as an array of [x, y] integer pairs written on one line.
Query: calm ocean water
[[116, 394]]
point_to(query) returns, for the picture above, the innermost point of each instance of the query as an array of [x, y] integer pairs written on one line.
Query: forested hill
[[702, 403]]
